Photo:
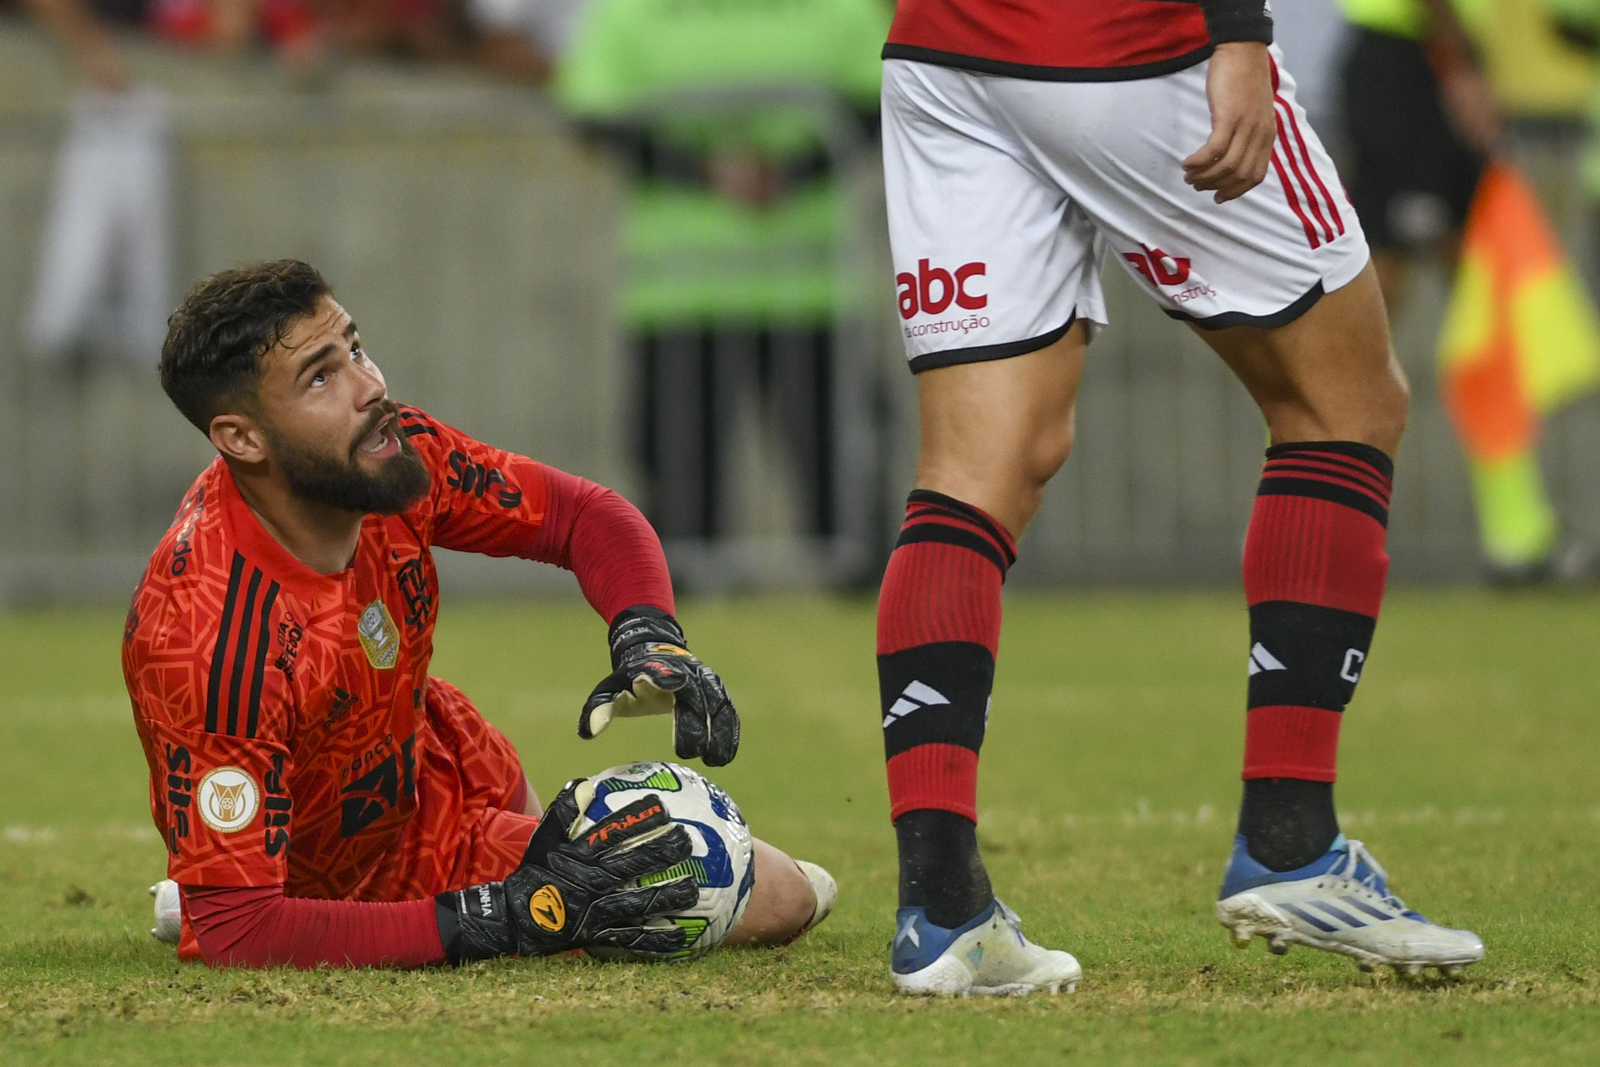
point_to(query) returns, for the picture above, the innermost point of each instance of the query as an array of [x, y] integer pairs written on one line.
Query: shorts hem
[[1229, 319], [951, 357], [1032, 72]]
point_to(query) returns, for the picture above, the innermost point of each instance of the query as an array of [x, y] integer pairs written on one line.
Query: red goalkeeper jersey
[[281, 710]]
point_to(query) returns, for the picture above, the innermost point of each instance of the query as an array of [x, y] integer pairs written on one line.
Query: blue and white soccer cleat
[[987, 956], [1340, 903]]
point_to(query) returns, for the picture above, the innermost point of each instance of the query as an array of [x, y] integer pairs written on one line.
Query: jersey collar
[[262, 549]]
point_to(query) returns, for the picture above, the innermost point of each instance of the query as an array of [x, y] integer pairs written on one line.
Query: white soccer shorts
[[1005, 194]]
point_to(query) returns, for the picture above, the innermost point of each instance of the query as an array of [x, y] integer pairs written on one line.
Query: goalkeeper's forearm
[[261, 927], [606, 542]]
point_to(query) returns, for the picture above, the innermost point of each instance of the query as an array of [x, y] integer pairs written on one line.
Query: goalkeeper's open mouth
[[383, 440]]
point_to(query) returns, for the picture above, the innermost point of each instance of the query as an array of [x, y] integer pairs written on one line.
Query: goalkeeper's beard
[[327, 480]]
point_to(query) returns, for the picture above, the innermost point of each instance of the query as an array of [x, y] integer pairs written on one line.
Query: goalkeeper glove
[[653, 673], [569, 891]]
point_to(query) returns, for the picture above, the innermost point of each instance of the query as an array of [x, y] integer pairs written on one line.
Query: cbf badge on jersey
[[227, 799], [380, 638]]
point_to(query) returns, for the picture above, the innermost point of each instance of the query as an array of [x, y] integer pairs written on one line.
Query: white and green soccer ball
[[722, 863]]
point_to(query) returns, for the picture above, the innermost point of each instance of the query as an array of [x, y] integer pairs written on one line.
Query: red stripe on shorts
[[1294, 201], [1305, 153], [1300, 178], [1311, 167]]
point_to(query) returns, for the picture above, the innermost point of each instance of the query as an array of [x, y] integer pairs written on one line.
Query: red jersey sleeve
[[264, 928], [483, 499], [214, 719], [498, 503]]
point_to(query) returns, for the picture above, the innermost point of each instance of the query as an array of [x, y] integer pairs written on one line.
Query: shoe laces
[[1374, 878]]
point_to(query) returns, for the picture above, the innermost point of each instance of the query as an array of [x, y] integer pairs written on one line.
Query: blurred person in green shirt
[[734, 224]]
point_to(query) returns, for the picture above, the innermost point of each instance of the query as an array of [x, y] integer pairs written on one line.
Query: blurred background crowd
[[642, 240]]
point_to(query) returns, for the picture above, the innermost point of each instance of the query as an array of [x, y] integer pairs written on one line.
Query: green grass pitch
[[1471, 766]]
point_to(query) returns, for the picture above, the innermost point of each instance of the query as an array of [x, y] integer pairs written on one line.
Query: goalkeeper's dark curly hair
[[211, 361]]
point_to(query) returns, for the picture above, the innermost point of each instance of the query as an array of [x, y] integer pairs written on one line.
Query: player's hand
[[568, 892], [652, 673], [1243, 122]]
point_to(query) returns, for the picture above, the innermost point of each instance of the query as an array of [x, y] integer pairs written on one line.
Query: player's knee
[[1045, 457], [1006, 482], [781, 904], [1373, 413], [1050, 448], [797, 903], [1390, 407]]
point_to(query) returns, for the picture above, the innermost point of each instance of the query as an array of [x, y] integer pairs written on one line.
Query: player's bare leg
[[1329, 375], [1314, 568], [785, 902], [993, 435]]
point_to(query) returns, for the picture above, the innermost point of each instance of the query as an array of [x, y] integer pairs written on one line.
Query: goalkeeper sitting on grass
[[322, 799]]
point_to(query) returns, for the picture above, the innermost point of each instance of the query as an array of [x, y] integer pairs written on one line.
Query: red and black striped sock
[[938, 633], [1314, 571]]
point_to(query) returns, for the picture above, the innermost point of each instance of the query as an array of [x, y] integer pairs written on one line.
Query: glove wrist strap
[[642, 624], [475, 923]]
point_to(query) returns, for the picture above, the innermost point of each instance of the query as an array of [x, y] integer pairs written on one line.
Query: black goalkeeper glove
[[652, 673], [569, 893]]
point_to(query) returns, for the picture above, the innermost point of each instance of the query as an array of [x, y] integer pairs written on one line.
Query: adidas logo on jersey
[[1262, 660], [914, 697]]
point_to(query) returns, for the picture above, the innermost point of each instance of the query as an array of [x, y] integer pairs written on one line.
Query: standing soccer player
[[322, 798], [1021, 141]]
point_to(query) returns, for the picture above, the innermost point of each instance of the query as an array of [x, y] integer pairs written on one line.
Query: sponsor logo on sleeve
[[189, 517], [479, 480], [380, 637], [227, 799], [279, 806], [180, 796]]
